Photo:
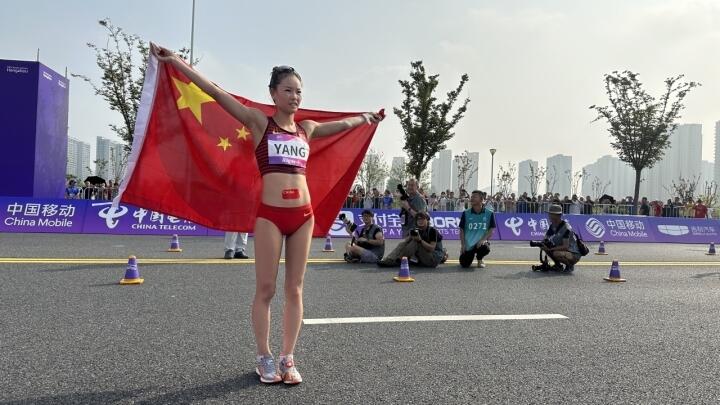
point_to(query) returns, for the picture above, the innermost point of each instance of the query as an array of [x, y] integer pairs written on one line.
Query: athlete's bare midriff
[[278, 187]]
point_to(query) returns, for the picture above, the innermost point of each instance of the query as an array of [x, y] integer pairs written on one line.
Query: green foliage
[[640, 124], [122, 62], [427, 123]]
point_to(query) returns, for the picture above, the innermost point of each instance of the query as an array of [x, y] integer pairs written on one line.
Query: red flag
[[192, 160]]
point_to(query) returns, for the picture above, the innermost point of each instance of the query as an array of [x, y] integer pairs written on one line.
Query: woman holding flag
[[285, 212]]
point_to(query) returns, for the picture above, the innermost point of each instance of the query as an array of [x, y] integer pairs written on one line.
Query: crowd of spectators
[[89, 191], [524, 203]]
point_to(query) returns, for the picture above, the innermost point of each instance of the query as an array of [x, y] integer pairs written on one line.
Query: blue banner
[[25, 214]]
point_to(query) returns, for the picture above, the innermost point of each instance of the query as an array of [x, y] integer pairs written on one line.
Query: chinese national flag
[[192, 160]]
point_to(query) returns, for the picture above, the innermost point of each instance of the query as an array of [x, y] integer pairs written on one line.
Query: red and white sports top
[[281, 151]]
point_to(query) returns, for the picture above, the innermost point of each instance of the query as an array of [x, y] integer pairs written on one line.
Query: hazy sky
[[534, 66]]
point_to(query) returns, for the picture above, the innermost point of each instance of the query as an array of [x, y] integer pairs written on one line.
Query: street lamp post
[[192, 34], [492, 167]]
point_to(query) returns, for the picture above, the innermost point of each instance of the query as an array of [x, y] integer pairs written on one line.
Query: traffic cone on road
[[601, 249], [614, 273], [404, 273], [132, 274], [328, 245], [174, 244], [711, 249]]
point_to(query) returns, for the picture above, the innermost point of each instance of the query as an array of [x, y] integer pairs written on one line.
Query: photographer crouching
[[560, 244], [411, 203], [422, 246], [368, 244]]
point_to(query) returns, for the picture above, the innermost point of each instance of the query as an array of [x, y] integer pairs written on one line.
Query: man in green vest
[[476, 227]]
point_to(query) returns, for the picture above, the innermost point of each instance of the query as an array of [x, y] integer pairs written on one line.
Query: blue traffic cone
[[174, 244], [601, 249], [711, 249], [614, 273], [132, 274], [404, 273], [328, 245]]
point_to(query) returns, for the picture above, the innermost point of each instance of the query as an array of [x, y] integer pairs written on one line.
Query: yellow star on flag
[[191, 97], [242, 133], [224, 143]]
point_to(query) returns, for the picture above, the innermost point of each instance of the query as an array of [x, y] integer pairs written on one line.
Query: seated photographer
[[422, 246], [476, 228], [368, 242], [411, 202], [560, 244]]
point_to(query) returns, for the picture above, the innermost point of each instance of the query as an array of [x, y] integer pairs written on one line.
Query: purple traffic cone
[[614, 273], [601, 249], [404, 273], [132, 274], [711, 249], [328, 245], [174, 244]]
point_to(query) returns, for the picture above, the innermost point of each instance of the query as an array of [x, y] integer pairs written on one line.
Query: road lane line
[[431, 318]]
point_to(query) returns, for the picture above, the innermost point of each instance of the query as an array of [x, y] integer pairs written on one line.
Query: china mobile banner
[[613, 228], [24, 215]]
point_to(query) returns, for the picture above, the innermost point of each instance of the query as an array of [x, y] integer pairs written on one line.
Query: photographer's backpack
[[582, 247]]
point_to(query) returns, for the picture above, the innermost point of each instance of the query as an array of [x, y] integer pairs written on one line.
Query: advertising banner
[[26, 214]]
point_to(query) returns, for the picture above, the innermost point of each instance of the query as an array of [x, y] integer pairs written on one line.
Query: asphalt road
[[70, 334]]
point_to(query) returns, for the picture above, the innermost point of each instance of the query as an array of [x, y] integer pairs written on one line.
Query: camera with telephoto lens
[[344, 220], [541, 243], [403, 193], [414, 232]]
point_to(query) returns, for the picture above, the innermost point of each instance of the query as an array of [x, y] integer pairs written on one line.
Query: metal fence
[[524, 207], [94, 193]]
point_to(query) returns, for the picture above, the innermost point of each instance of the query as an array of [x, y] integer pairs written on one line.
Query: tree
[[551, 178], [599, 187], [425, 121], [575, 179], [465, 169], [373, 170], [506, 179], [101, 167], [122, 64], [640, 125], [534, 178], [685, 188], [118, 161], [710, 196]]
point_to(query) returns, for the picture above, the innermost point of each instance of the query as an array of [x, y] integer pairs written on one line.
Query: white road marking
[[376, 319]]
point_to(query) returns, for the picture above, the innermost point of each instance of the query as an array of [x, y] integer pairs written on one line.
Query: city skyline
[[525, 102]]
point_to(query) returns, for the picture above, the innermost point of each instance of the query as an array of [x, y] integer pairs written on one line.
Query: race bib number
[[284, 149]]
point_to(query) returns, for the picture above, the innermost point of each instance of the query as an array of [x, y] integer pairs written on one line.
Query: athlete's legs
[[296, 254], [268, 245]]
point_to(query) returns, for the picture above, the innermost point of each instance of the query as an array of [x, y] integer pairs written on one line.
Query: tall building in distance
[[682, 159], [558, 175], [707, 170], [397, 173], [526, 169], [110, 157], [608, 175], [78, 158], [441, 168]]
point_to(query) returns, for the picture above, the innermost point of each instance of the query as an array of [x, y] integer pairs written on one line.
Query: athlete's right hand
[[163, 54]]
